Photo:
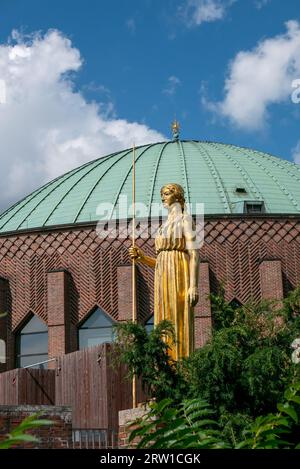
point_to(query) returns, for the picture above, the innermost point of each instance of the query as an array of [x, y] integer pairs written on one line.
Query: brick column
[[4, 333], [202, 312], [271, 279], [124, 293], [58, 313]]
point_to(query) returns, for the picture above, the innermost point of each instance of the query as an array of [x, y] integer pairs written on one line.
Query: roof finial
[[175, 129]]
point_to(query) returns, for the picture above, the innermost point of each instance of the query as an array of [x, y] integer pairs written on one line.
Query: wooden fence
[[27, 386], [86, 381]]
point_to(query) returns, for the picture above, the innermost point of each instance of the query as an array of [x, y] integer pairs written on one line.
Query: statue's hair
[[177, 190]]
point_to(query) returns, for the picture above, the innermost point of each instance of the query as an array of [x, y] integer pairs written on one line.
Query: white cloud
[[2, 92], [131, 25], [196, 12], [46, 127], [259, 78], [261, 3], [296, 153], [173, 83]]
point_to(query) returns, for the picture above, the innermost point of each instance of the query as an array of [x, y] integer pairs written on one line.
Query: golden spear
[[134, 316]]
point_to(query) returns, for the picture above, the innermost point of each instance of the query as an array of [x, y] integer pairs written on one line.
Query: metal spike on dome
[[175, 129]]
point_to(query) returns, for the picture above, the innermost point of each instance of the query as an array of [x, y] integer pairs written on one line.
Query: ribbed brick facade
[[62, 274], [271, 279]]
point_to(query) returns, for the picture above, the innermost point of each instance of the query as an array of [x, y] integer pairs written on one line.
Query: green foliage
[[19, 435], [146, 356], [292, 304], [280, 430], [190, 425], [241, 372], [246, 365], [223, 312]]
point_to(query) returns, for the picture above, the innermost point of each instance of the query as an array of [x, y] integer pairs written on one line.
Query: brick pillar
[[125, 293], [3, 324], [202, 312], [58, 314], [7, 343], [271, 279]]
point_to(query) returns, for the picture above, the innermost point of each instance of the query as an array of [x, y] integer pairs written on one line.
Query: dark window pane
[[33, 344], [98, 319], [91, 337], [150, 324], [25, 361], [254, 208], [34, 325]]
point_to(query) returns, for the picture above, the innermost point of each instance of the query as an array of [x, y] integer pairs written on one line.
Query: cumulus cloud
[[259, 78], [46, 126], [173, 83], [196, 12], [296, 153]]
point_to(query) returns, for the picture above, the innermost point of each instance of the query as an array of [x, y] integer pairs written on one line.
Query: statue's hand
[[135, 253], [193, 296]]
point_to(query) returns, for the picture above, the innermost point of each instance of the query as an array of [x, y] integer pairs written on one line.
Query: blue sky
[[83, 79]]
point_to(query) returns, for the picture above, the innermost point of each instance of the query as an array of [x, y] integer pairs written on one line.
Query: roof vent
[[240, 190]]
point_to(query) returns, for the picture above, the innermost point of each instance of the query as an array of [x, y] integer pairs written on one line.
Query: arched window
[[97, 329], [149, 325], [32, 344], [235, 304]]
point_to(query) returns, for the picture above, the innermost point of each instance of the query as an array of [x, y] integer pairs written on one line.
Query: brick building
[[63, 285]]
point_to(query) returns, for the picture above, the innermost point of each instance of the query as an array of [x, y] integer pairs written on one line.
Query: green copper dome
[[223, 177]]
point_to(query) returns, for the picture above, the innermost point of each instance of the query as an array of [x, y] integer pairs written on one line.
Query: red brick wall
[[124, 273], [202, 312], [5, 324], [271, 279], [58, 314], [56, 436], [3, 320], [233, 249]]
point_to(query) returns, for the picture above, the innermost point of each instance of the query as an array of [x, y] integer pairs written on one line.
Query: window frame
[[82, 328], [18, 339]]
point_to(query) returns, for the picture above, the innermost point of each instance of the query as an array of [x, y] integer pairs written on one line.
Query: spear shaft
[[134, 315]]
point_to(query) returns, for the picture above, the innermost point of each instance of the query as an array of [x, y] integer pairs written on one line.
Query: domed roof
[[221, 176]]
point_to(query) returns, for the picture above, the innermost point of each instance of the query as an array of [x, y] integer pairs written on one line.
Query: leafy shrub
[[188, 425], [146, 356]]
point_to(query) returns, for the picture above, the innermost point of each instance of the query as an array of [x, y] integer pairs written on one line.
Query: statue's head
[[172, 193]]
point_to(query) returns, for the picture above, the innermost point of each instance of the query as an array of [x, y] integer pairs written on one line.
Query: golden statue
[[176, 270]]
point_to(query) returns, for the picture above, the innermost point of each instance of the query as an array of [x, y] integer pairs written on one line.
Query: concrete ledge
[[129, 415]]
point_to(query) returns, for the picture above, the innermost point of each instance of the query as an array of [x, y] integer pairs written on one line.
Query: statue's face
[[167, 197]]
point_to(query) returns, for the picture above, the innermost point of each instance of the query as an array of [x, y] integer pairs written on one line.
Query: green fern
[[189, 425], [279, 430]]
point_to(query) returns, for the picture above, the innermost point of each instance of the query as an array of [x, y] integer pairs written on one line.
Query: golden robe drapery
[[172, 285]]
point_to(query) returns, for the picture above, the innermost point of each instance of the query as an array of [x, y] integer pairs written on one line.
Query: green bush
[[146, 356], [242, 372], [189, 425]]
